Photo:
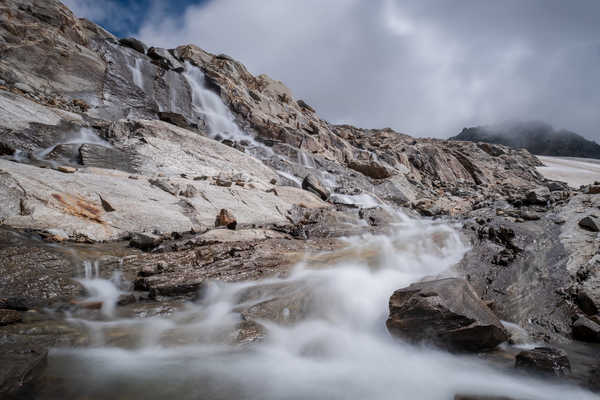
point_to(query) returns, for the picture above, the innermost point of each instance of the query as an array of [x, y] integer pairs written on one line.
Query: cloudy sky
[[423, 67]]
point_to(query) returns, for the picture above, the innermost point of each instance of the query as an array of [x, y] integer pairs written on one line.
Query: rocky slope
[[538, 138], [141, 158]]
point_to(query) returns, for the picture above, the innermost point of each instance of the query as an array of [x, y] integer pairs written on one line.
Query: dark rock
[[19, 368], [588, 301], [557, 186], [133, 43], [15, 303], [8, 317], [144, 241], [106, 205], [590, 223], [491, 149], [586, 330], [312, 184], [544, 360], [174, 118], [305, 106], [538, 196], [226, 218], [447, 313], [164, 59], [593, 189]]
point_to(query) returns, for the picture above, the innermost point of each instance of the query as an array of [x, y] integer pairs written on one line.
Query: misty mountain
[[537, 137]]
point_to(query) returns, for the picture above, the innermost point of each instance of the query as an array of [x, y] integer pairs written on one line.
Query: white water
[[101, 290], [81, 136], [338, 348], [136, 73]]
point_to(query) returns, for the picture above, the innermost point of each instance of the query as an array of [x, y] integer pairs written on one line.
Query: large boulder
[[447, 313], [312, 184]]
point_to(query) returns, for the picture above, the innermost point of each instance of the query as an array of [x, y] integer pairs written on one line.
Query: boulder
[[372, 168], [590, 223], [544, 360], [133, 43], [164, 59], [586, 330], [312, 184], [538, 196], [444, 312], [144, 241], [226, 218], [174, 118]]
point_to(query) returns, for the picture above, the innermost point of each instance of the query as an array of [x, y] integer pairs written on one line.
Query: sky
[[422, 67]]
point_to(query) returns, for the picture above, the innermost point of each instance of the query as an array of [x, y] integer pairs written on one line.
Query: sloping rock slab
[[447, 313]]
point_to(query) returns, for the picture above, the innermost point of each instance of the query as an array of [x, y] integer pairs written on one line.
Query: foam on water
[[336, 348]]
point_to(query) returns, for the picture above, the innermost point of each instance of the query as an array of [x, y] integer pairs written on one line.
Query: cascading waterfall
[[81, 136], [330, 342], [136, 72]]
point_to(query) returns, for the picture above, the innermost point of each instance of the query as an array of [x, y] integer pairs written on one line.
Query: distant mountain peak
[[536, 136]]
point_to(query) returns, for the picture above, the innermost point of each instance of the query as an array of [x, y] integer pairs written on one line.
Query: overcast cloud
[[423, 67]]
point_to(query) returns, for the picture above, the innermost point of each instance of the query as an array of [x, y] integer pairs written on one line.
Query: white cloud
[[420, 66]]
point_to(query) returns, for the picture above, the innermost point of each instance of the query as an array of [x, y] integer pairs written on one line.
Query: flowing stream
[[325, 337]]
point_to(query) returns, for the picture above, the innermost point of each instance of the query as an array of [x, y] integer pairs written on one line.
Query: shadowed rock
[[133, 43], [447, 313], [544, 360]]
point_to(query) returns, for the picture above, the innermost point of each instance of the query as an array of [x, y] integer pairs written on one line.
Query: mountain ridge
[[537, 137]]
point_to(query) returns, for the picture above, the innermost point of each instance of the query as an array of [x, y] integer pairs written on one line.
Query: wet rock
[[164, 59], [590, 223], [312, 184], [133, 43], [8, 317], [126, 299], [144, 241], [225, 218], [445, 312], [544, 360], [586, 330], [376, 216], [19, 368], [174, 118]]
